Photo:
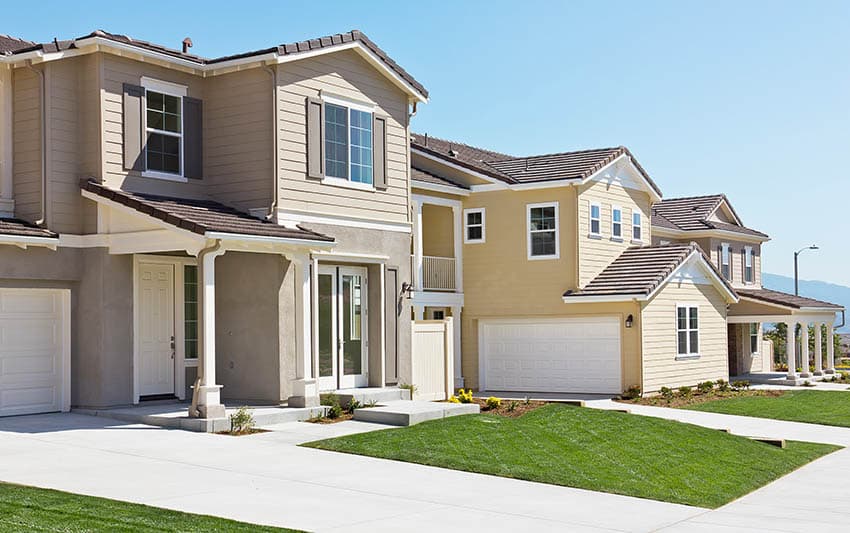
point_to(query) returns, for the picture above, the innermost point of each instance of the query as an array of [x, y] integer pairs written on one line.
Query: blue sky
[[747, 98]]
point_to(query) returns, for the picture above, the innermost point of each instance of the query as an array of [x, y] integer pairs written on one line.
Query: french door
[[343, 327]]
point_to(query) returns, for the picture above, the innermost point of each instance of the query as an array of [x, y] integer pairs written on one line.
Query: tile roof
[[785, 299], [202, 216], [417, 174], [691, 214], [282, 49], [575, 165], [22, 228], [10, 44], [640, 270]]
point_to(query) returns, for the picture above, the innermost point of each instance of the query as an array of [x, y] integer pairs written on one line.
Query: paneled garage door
[[34, 351], [551, 355]]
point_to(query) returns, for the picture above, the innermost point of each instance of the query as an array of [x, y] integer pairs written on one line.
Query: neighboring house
[[571, 274], [241, 223]]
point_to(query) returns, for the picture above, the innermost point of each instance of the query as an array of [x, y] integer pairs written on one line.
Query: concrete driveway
[[266, 479]]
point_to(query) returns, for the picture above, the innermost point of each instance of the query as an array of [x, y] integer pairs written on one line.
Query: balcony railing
[[438, 273]]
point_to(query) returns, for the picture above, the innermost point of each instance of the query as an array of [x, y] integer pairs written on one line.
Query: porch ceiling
[[762, 305]]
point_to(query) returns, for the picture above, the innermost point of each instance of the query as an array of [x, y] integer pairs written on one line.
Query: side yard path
[[813, 498]]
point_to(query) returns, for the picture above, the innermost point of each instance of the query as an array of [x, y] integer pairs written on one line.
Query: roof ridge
[[569, 152], [702, 196], [12, 37], [459, 143]]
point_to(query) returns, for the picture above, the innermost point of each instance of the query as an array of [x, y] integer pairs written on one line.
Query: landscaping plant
[[705, 386], [242, 421], [465, 396], [493, 403], [332, 402], [632, 393]]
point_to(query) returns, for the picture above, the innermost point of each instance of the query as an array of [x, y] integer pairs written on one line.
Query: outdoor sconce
[[629, 321], [407, 290]]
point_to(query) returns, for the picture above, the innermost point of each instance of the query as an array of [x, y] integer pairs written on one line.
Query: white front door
[[343, 327], [156, 329], [570, 354]]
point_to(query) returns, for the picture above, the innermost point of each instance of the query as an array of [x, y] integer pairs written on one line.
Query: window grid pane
[[336, 141], [190, 311], [164, 139], [361, 146], [595, 222], [636, 229], [617, 223], [542, 226]]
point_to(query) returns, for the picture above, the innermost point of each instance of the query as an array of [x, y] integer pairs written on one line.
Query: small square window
[[473, 222]]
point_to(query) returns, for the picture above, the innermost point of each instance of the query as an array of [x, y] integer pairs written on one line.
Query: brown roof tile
[[22, 228], [691, 214], [418, 174], [9, 44], [202, 216], [785, 299]]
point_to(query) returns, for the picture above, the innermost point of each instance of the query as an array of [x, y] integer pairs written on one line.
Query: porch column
[[804, 350], [830, 348], [418, 312], [790, 347], [208, 393], [456, 330], [305, 390], [818, 350], [417, 246], [457, 217]]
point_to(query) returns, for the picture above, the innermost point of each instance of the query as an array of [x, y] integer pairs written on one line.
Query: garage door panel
[[561, 355]]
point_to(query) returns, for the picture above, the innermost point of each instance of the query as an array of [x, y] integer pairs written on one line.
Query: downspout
[[194, 412], [272, 215], [43, 102]]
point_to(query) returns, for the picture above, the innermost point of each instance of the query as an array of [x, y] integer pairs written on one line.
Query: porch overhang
[[764, 305]]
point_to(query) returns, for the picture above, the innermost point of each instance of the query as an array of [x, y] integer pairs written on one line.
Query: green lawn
[[592, 449], [32, 509], [831, 408]]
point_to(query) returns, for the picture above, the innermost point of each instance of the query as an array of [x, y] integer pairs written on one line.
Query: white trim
[[66, 348], [729, 210], [436, 299], [612, 298], [688, 306], [346, 183], [269, 240], [654, 195], [668, 232], [528, 208], [466, 213], [154, 174], [372, 259], [290, 217], [165, 87], [350, 103], [436, 187], [590, 219], [436, 200], [23, 241]]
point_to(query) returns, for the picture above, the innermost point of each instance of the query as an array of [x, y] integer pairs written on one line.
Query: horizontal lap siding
[[347, 75], [660, 367], [596, 254], [27, 144]]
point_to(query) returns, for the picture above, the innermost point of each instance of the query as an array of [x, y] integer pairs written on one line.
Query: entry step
[[408, 413], [366, 395]]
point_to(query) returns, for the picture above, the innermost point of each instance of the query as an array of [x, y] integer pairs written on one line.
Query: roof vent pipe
[[187, 44]]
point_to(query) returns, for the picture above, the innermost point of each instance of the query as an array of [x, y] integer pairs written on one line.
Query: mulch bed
[[325, 420], [697, 398], [242, 433], [510, 408]]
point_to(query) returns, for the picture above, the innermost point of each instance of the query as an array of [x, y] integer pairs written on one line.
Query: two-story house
[[176, 226], [577, 277]]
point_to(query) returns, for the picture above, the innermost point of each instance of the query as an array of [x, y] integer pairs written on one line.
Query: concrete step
[[408, 413], [372, 394]]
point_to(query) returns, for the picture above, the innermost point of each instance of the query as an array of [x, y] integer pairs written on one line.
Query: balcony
[[438, 273]]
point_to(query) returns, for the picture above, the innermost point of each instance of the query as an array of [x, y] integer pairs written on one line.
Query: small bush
[[667, 393], [242, 421], [512, 405], [808, 383], [369, 404], [352, 405], [493, 403], [685, 391], [722, 385], [332, 402], [705, 386], [465, 396], [632, 393], [453, 399], [741, 384], [409, 386]]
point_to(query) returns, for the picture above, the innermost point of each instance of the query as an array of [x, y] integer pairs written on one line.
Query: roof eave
[[708, 232]]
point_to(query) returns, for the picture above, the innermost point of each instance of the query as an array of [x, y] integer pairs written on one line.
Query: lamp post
[[796, 278]]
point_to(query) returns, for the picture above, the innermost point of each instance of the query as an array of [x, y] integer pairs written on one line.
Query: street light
[[796, 279]]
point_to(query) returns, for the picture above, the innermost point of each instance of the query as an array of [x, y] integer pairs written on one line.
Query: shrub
[[242, 421], [370, 403], [465, 396], [666, 393], [493, 403], [741, 384], [685, 391], [332, 402], [512, 405], [722, 385], [352, 405], [410, 387], [705, 386], [632, 393], [808, 383], [453, 399]]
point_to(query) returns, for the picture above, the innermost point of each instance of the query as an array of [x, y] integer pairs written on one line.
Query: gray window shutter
[[315, 138], [134, 154], [394, 308], [193, 157], [379, 151]]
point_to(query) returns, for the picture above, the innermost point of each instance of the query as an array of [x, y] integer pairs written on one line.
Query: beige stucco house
[[173, 225], [570, 273]]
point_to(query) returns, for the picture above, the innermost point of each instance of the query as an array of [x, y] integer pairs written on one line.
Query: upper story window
[[616, 223], [687, 329], [164, 126], [543, 231], [595, 219], [725, 254], [348, 143], [748, 264], [636, 227], [473, 225]]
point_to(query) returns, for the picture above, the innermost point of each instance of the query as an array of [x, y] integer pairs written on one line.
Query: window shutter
[[315, 138], [743, 264], [193, 157], [720, 258], [379, 151], [134, 154]]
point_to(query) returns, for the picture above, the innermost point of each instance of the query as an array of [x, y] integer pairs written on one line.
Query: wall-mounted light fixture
[[407, 290], [629, 321]]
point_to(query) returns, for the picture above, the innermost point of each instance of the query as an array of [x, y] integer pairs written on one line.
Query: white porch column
[[7, 199], [818, 350], [790, 347], [458, 359], [305, 389], [418, 312], [457, 217], [804, 350], [417, 246], [208, 393], [830, 348]]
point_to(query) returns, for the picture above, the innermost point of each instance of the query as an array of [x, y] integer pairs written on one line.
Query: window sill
[[347, 184], [596, 236], [474, 241], [543, 257], [687, 357], [637, 242], [164, 176], [616, 239]]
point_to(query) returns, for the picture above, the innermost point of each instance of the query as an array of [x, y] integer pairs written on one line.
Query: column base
[[791, 375], [818, 373], [805, 375], [305, 393], [829, 371], [209, 402]]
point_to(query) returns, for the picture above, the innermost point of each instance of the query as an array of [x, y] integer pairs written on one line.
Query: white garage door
[[34, 351], [551, 355]]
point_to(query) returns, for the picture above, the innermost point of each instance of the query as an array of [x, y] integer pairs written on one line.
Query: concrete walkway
[[264, 479]]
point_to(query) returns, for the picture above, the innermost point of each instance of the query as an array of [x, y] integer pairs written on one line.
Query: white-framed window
[[637, 234], [687, 330], [595, 219], [754, 338], [474, 231], [725, 258], [348, 142], [543, 231], [748, 264], [616, 222], [163, 129]]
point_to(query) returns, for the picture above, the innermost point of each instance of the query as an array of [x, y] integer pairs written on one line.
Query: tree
[[777, 334]]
